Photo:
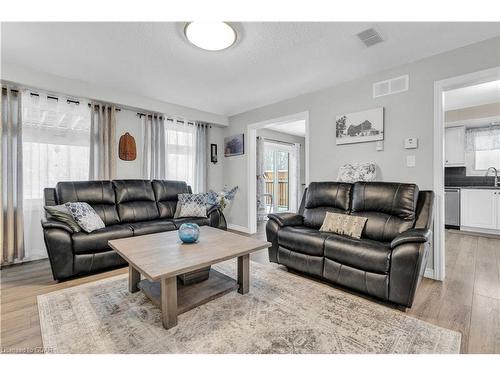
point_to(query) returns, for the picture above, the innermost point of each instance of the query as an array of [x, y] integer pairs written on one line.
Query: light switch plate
[[380, 146], [411, 142], [410, 161]]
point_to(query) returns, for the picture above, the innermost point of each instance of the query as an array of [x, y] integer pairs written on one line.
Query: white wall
[[128, 121], [39, 80], [406, 114]]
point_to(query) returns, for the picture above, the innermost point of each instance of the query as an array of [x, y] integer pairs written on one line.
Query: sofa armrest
[[52, 223], [287, 219], [212, 209], [414, 235]]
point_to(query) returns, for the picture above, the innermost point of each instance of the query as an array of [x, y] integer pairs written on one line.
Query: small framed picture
[[213, 153], [364, 126], [234, 145]]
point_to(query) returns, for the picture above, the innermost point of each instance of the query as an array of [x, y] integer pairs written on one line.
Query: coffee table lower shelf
[[191, 296]]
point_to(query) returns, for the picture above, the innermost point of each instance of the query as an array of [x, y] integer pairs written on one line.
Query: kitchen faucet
[[496, 175]]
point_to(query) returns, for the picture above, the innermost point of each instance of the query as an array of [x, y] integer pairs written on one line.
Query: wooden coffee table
[[161, 257]]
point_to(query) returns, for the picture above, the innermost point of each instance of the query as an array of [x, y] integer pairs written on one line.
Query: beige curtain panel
[[153, 160], [11, 186], [102, 142]]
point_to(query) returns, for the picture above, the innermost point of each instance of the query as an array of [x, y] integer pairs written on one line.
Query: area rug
[[283, 313]]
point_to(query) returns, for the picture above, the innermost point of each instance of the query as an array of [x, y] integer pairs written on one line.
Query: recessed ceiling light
[[210, 36]]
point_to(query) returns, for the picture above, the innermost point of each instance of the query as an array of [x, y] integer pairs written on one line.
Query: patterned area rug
[[283, 313]]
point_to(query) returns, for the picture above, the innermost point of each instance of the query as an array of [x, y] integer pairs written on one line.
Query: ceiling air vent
[[370, 37], [391, 86]]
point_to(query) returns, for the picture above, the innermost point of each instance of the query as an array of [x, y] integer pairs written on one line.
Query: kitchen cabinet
[[480, 209], [454, 145]]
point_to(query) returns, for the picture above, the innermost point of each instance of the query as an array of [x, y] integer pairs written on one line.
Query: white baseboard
[[429, 273], [238, 228]]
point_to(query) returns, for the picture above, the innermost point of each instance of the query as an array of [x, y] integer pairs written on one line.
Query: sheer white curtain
[[180, 149], [56, 147], [261, 181]]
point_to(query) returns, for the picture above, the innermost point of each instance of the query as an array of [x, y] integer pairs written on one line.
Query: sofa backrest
[[121, 200], [166, 195], [99, 194], [135, 200], [389, 207], [323, 197]]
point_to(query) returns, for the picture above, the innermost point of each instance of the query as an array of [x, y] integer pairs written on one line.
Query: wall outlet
[[379, 146], [410, 161], [411, 142]]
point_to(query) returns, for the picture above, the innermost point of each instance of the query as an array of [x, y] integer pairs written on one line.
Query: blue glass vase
[[189, 232]]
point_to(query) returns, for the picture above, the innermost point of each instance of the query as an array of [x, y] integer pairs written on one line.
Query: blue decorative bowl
[[189, 232]]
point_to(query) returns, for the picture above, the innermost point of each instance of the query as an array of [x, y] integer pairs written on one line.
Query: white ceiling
[[471, 96], [270, 62], [297, 128]]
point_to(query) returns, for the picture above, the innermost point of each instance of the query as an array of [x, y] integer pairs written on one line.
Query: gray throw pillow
[[62, 213], [192, 205], [85, 216], [348, 225]]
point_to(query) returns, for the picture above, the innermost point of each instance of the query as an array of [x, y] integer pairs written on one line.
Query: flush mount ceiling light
[[210, 36]]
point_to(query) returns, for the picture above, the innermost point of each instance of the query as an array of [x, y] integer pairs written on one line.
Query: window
[[485, 159], [180, 148], [56, 147]]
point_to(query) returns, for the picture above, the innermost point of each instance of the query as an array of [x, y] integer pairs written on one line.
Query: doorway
[[440, 161], [284, 173]]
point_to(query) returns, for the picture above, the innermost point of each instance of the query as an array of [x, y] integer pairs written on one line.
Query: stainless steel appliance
[[452, 208]]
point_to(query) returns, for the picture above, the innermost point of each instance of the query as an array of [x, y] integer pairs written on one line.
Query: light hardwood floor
[[467, 301]]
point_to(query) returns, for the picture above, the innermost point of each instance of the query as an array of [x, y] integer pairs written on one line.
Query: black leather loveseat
[[388, 261], [127, 207]]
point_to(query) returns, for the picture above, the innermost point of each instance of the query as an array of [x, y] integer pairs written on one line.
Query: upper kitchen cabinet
[[454, 146]]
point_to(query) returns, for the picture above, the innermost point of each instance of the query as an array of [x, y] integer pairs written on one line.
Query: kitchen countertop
[[489, 187]]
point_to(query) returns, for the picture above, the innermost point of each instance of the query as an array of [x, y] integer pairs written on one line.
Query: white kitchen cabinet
[[480, 208], [454, 145]]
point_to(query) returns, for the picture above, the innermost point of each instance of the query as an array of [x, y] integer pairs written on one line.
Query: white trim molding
[[252, 160], [440, 87], [429, 273], [238, 228]]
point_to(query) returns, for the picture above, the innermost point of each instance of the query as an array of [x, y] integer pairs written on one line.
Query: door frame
[[440, 87], [252, 160]]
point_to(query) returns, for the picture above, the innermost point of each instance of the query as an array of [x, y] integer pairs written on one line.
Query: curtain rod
[[277, 141]]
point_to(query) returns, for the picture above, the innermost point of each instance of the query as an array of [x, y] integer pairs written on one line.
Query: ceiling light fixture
[[210, 36]]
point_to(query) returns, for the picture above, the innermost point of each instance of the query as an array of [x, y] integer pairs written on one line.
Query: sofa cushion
[[97, 241], [364, 254], [302, 239], [323, 197], [197, 220], [135, 200], [389, 207], [152, 226], [166, 195], [98, 194]]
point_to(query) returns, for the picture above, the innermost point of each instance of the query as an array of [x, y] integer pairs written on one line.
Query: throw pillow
[[85, 216], [348, 225], [355, 172], [192, 205], [62, 213]]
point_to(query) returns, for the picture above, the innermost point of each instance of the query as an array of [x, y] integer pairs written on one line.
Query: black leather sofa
[[128, 208], [388, 261]]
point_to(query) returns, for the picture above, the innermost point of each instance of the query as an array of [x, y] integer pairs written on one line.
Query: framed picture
[[364, 126], [234, 145], [213, 153]]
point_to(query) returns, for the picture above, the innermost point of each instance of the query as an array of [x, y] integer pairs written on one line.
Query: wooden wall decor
[[126, 148]]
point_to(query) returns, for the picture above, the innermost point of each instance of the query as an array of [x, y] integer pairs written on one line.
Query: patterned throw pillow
[[85, 216], [348, 225], [62, 213], [192, 205], [355, 172]]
